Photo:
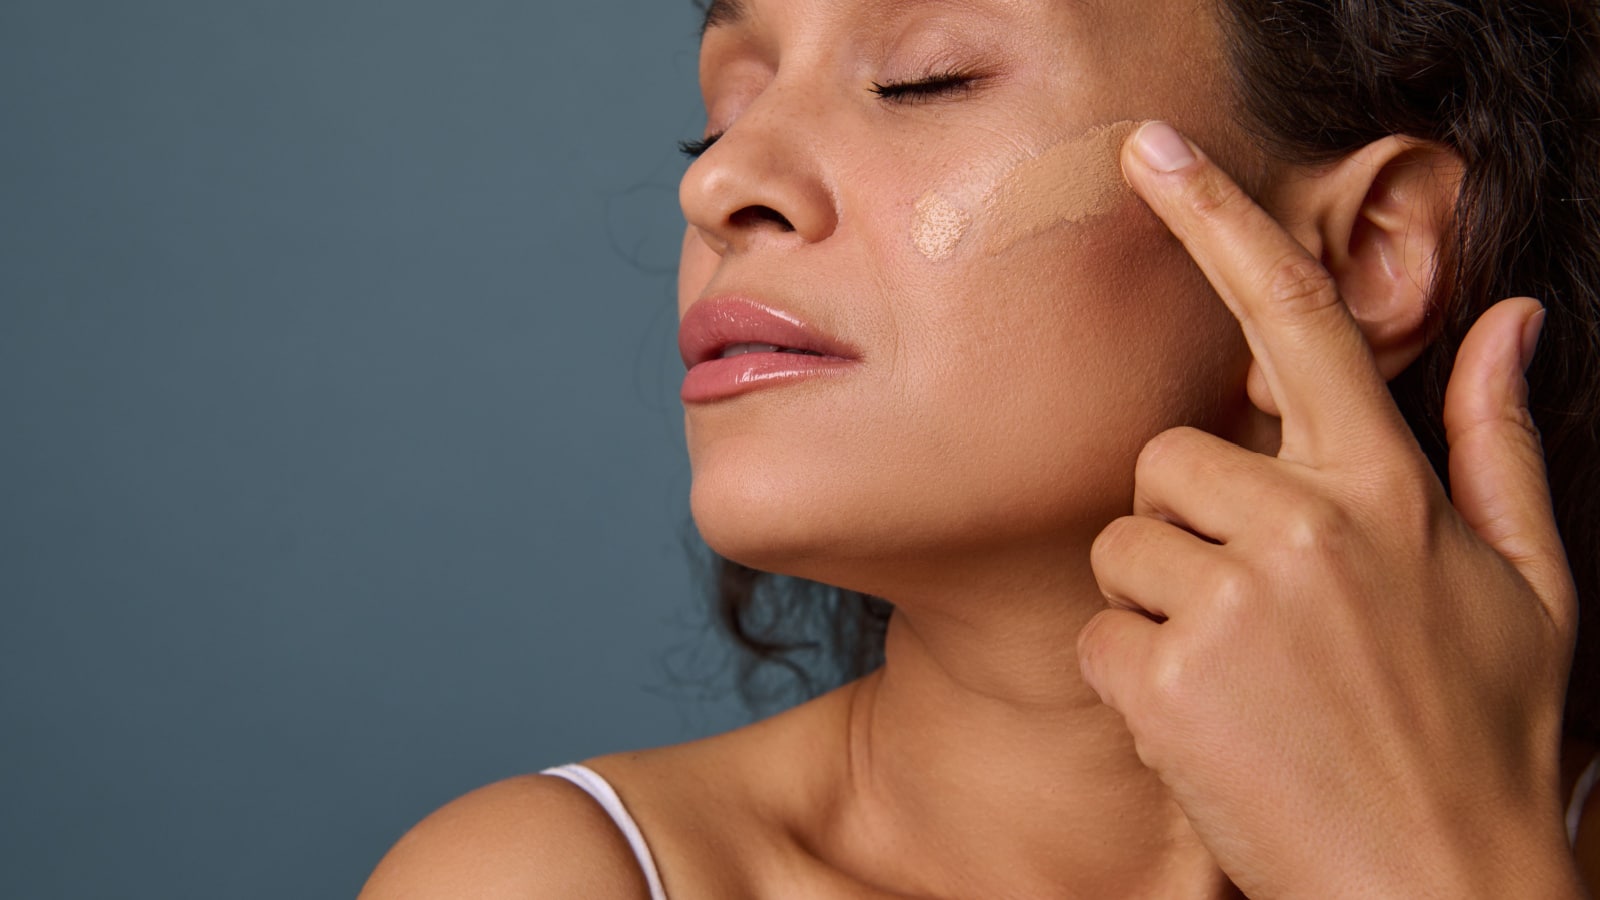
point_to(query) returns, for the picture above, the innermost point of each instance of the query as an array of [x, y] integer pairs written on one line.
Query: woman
[[1180, 607]]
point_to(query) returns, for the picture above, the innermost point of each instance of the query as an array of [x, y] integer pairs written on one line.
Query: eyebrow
[[721, 13]]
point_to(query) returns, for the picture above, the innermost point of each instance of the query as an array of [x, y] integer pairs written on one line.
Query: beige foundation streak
[[1070, 182]]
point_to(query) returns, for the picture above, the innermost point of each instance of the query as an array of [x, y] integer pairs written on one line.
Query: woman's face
[[1016, 322]]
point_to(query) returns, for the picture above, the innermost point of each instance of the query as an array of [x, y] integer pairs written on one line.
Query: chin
[[803, 529], [762, 519], [845, 525]]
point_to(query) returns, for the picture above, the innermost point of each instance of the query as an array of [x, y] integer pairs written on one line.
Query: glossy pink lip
[[711, 326]]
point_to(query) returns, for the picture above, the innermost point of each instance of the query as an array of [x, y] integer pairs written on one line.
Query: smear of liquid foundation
[[938, 225], [1070, 182]]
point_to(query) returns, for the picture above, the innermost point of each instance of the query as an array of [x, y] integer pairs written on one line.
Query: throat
[[951, 787]]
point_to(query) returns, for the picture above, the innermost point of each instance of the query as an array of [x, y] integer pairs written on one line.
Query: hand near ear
[[1352, 684], [1497, 474]]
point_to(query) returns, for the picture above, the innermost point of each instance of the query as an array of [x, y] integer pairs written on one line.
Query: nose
[[763, 181]]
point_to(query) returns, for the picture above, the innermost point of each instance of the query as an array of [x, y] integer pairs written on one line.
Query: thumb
[[1497, 474]]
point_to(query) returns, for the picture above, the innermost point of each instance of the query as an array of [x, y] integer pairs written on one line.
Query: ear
[[1377, 219]]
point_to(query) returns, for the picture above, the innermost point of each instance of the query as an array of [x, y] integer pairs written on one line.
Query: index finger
[[1315, 359]]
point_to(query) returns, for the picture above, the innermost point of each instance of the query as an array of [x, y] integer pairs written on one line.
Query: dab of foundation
[[1068, 183], [938, 226]]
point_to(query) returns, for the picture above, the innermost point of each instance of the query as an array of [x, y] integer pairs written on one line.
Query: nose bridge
[[767, 171]]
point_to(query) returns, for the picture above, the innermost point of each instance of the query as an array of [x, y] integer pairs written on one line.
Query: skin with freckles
[[935, 184]]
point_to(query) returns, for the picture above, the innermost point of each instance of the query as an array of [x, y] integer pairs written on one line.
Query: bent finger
[[1207, 484], [1113, 652], [1147, 565]]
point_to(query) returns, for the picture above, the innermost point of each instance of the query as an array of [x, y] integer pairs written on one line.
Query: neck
[[980, 759]]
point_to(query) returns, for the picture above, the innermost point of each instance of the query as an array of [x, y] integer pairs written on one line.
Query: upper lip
[[714, 324]]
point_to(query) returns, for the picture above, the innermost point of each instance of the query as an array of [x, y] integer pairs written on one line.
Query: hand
[[1352, 685]]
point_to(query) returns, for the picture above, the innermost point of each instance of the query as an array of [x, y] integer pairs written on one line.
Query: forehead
[[1145, 38], [731, 13], [1113, 59]]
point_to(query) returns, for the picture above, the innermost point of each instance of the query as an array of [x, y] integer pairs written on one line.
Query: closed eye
[[950, 84]]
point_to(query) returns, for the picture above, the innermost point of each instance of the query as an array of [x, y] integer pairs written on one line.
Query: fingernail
[[1162, 148], [1530, 337]]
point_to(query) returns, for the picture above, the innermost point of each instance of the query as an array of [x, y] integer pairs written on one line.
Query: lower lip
[[716, 379]]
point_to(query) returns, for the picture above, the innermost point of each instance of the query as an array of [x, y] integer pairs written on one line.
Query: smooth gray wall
[[341, 463]]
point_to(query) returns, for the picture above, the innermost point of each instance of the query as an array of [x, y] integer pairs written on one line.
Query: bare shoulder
[[726, 816], [740, 814], [529, 837]]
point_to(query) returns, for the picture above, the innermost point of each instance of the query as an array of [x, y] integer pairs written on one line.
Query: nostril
[[752, 216]]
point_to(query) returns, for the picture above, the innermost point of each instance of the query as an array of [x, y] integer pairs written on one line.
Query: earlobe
[[1379, 219]]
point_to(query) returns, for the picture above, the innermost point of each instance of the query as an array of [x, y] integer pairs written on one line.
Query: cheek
[[1040, 373], [1111, 321]]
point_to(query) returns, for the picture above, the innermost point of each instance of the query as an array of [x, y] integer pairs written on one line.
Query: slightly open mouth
[[733, 350]]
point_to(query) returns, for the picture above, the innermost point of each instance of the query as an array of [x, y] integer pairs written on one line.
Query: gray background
[[341, 463]]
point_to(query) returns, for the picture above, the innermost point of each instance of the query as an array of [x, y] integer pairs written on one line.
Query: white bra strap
[[601, 790], [1580, 798]]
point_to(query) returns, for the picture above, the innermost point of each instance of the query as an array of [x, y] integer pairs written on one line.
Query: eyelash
[[950, 84], [693, 149]]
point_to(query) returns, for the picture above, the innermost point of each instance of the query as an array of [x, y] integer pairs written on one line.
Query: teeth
[[733, 350]]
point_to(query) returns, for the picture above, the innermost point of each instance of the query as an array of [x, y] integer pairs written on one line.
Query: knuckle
[[1465, 422], [1515, 424], [1161, 450], [1314, 527], [1169, 682], [1299, 283], [1155, 747], [1113, 542], [1212, 195], [1521, 418], [1090, 641], [1230, 591]]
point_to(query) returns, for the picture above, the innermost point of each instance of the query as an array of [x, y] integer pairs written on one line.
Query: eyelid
[[932, 87]]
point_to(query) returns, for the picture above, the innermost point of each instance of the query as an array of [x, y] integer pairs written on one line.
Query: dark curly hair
[[1514, 88]]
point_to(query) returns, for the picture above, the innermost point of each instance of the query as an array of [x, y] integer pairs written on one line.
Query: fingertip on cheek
[[1160, 148]]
